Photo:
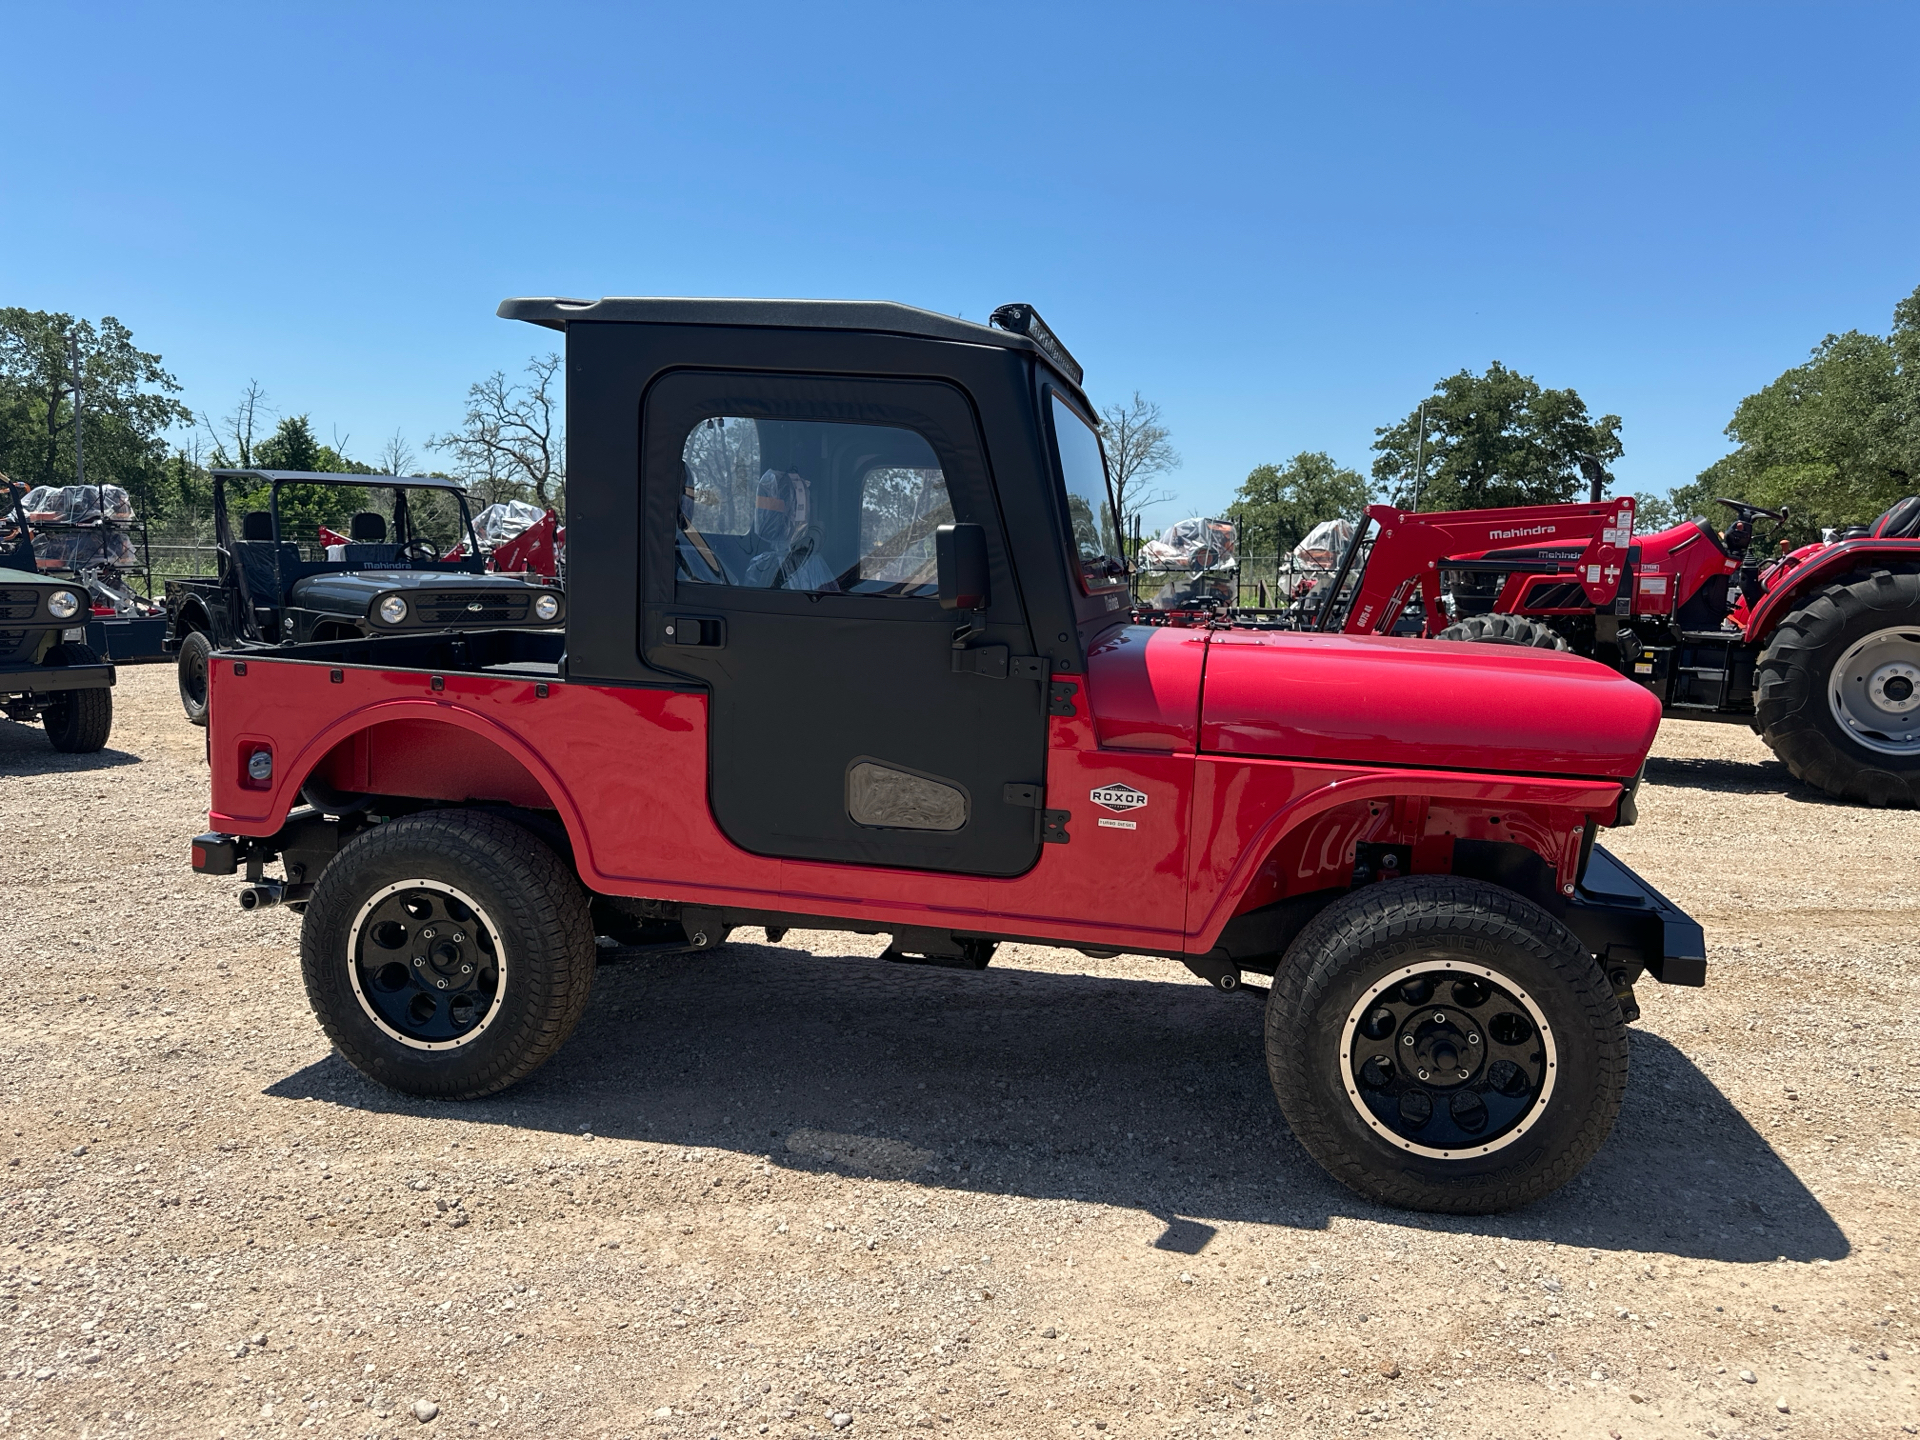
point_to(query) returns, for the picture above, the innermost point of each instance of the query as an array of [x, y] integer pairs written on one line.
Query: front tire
[[1445, 1045], [195, 647], [1837, 689], [78, 721], [447, 954], [1505, 630]]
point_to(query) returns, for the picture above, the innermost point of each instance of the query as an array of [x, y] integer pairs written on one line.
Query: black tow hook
[[259, 897]]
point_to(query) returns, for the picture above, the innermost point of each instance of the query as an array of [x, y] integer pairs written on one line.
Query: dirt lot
[[788, 1190]]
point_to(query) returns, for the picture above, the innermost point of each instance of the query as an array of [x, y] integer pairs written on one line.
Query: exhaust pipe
[[259, 897]]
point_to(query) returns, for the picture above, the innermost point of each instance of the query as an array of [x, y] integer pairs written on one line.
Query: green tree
[[1494, 439], [303, 508], [1277, 505], [1836, 439], [128, 405]]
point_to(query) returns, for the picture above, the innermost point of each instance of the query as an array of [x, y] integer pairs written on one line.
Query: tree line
[[136, 432]]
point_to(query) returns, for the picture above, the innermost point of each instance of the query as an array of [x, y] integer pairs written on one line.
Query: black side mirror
[[961, 554]]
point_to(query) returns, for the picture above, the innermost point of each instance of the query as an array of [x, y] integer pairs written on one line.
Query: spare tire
[[1505, 630]]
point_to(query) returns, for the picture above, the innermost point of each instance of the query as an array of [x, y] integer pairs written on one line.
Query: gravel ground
[[789, 1190]]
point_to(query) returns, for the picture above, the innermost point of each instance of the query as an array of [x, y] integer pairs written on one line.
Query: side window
[[809, 505], [1089, 505]]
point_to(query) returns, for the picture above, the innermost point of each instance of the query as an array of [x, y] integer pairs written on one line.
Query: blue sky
[[1283, 224]]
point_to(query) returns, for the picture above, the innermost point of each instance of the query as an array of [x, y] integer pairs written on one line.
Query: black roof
[[882, 316], [327, 477]]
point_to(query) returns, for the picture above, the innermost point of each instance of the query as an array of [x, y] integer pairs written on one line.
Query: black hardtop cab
[[980, 396]]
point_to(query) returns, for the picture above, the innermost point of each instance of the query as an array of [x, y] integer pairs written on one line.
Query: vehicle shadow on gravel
[[24, 750], [1142, 1094], [1734, 777]]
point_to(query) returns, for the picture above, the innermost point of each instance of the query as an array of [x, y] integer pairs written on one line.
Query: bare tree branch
[[509, 445], [396, 456], [1138, 449]]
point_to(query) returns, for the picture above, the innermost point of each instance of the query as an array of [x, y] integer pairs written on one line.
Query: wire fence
[[1256, 582]]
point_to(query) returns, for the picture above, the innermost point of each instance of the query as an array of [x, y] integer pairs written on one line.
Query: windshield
[[1089, 506]]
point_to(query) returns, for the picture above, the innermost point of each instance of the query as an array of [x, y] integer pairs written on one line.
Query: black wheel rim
[[194, 679], [427, 964], [1448, 1059]]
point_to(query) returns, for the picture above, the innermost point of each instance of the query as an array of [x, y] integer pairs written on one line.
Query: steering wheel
[[805, 543], [420, 551], [1751, 512]]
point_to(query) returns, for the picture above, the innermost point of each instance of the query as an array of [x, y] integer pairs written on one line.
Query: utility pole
[[1420, 457], [79, 401]]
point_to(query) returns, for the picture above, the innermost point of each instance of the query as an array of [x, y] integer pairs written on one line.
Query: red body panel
[[1822, 568], [1421, 704], [1365, 728]]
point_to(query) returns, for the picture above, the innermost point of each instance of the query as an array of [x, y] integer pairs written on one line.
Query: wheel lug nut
[[418, 961], [428, 933], [1463, 1074], [459, 938], [1406, 1040], [466, 969], [1423, 1074], [1473, 1039], [441, 983]]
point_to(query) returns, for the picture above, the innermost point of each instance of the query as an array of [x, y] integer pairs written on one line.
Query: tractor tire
[[1443, 1044], [447, 954], [195, 647], [78, 721], [1505, 630], [1837, 689]]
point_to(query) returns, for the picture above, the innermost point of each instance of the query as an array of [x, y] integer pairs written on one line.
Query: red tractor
[[1818, 650]]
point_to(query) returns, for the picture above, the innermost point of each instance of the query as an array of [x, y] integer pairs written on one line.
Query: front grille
[[19, 604], [455, 608]]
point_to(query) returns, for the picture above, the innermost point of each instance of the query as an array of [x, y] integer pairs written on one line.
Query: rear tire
[[1863, 637], [447, 954], [1505, 630], [195, 647], [1525, 1040], [78, 721]]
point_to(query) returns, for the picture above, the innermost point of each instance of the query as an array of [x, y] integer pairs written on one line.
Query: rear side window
[[1089, 505], [810, 505]]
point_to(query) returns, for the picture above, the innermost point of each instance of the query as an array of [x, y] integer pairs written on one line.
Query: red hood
[[1382, 700]]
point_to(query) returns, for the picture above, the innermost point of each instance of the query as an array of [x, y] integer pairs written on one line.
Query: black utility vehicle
[[47, 671], [388, 578]]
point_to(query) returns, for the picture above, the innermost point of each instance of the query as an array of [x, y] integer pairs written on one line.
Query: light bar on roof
[[1025, 320]]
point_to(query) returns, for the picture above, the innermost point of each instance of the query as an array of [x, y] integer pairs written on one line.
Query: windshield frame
[[1089, 584]]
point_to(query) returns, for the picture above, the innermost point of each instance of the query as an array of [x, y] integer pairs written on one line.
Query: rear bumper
[[45, 679], [1627, 923]]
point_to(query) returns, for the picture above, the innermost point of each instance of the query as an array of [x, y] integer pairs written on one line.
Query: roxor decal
[[1117, 797]]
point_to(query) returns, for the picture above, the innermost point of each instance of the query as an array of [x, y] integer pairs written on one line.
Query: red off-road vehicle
[[850, 649]]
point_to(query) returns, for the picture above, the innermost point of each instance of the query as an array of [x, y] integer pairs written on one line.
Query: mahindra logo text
[[1517, 534]]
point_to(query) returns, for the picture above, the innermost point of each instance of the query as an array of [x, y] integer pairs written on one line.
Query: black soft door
[[796, 518]]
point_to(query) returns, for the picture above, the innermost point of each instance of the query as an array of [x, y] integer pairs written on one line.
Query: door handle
[[708, 632]]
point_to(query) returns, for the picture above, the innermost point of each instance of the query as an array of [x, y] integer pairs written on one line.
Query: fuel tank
[[1386, 700]]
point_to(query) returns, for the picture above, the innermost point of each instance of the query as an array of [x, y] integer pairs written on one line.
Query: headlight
[[547, 606], [64, 604], [393, 609]]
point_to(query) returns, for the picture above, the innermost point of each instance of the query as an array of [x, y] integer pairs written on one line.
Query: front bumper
[[45, 679], [1629, 924]]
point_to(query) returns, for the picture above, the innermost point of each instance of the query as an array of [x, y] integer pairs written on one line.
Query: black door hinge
[[994, 662], [1028, 797], [1053, 826], [1060, 698]]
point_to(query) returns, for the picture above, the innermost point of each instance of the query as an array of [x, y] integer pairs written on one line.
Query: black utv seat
[[253, 553], [1901, 521], [367, 534]]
